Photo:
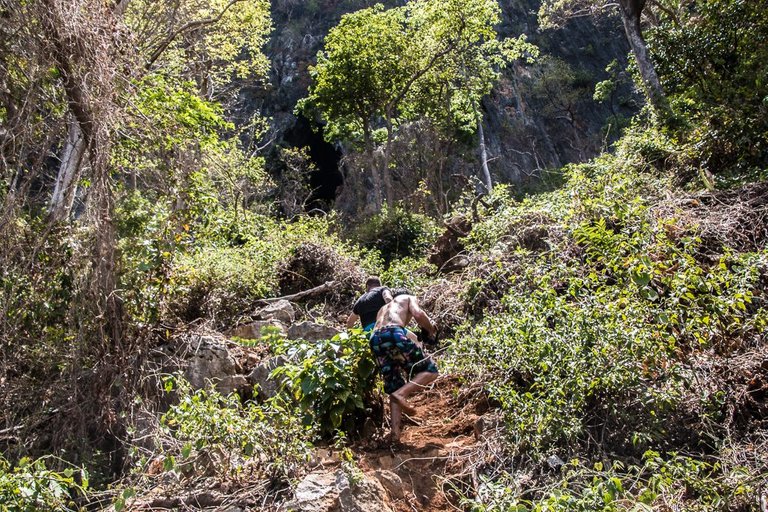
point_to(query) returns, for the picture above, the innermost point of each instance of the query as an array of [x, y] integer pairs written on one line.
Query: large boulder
[[210, 360], [281, 311], [311, 331], [255, 330]]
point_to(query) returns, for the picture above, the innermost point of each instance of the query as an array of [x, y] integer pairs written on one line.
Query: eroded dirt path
[[436, 445]]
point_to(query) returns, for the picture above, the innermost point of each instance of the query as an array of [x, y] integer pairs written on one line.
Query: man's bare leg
[[397, 414], [398, 401]]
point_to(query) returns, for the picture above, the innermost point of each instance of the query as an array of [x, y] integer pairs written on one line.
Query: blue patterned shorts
[[398, 357]]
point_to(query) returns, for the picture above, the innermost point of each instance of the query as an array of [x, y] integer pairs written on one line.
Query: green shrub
[[710, 59], [590, 351], [409, 272], [205, 424], [397, 233], [332, 380], [30, 486], [219, 281], [692, 484]]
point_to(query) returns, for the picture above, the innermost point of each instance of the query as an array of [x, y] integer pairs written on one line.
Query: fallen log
[[317, 290]]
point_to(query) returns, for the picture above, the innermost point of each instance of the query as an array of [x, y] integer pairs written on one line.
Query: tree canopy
[[381, 68]]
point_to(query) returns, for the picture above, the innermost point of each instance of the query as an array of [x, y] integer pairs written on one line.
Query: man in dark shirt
[[369, 304]]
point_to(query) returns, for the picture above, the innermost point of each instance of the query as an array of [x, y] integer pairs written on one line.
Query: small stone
[[391, 482], [365, 495], [555, 462], [486, 424]]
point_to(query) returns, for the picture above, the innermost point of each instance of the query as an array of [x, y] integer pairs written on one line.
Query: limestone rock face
[[212, 359], [267, 388], [525, 129], [311, 331], [281, 311], [209, 361], [325, 491]]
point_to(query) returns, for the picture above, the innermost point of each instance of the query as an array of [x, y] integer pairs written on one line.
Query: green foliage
[[413, 273], [30, 486], [428, 59], [331, 380], [228, 36], [146, 244], [559, 87], [205, 424], [236, 262], [397, 233], [603, 308], [710, 59], [178, 112], [612, 487]]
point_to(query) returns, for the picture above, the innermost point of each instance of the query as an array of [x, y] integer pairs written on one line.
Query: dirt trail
[[436, 444]]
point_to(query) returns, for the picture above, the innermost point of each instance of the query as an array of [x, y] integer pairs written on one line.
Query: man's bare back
[[400, 311]]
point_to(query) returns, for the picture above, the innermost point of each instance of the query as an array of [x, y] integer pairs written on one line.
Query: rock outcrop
[[334, 491]]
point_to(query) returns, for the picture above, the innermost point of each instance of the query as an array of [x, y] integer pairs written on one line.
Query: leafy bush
[[397, 233], [408, 272], [30, 486], [710, 59], [590, 350], [333, 381], [694, 485], [207, 426], [220, 282]]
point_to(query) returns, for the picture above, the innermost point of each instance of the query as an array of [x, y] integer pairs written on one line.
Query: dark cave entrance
[[328, 178]]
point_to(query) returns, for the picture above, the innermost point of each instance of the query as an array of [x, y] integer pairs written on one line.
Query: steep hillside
[[603, 349]]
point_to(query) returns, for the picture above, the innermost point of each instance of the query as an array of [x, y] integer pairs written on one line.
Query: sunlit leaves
[[432, 58]]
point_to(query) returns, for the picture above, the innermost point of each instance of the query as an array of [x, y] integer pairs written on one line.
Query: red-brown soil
[[436, 445]]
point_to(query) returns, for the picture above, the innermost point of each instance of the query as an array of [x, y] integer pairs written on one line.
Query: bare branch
[[184, 28]]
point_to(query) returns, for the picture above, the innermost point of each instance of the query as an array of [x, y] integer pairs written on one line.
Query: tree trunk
[[69, 172], [374, 169], [384, 166], [630, 15], [483, 154]]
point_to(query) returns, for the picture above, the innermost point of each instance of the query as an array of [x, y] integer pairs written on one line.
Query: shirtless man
[[396, 354]]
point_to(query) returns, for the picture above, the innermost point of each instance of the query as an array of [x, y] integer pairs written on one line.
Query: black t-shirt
[[369, 304]]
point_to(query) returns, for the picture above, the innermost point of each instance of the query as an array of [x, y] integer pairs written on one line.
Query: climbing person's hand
[[426, 338]]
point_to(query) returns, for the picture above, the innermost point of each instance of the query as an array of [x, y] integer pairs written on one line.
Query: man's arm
[[386, 294], [421, 317], [352, 320]]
